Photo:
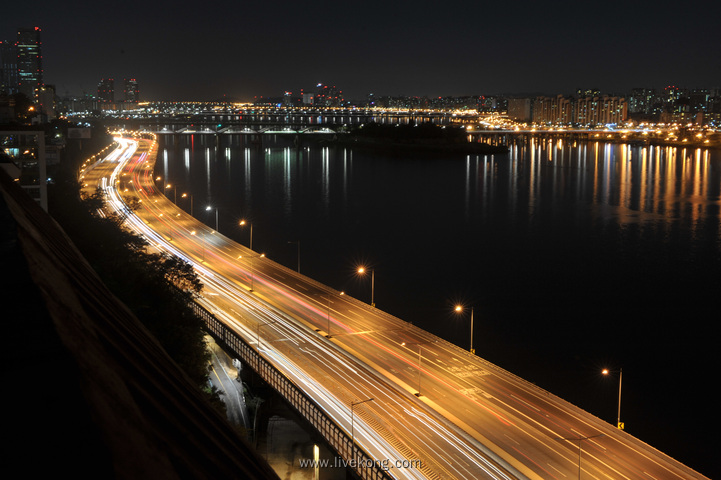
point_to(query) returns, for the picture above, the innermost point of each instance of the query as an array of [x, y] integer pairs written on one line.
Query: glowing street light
[[606, 371], [185, 195], [175, 192], [244, 223], [193, 232], [209, 208], [459, 309], [362, 271]]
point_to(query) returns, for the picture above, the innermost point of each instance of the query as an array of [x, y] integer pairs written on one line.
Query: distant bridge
[[248, 130], [275, 120]]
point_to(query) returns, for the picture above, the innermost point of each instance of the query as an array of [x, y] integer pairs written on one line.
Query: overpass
[[405, 398]]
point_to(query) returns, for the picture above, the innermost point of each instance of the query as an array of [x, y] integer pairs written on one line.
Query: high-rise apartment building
[[558, 109], [641, 100], [29, 62], [46, 102], [8, 68], [327, 96], [592, 111], [519, 109], [131, 90], [106, 90]]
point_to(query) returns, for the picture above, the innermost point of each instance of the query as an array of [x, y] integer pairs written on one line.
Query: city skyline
[[238, 52]]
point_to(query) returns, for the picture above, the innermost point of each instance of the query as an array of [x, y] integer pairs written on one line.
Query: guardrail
[[338, 439]]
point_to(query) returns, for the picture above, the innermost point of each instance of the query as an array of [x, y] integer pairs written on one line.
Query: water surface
[[574, 256]]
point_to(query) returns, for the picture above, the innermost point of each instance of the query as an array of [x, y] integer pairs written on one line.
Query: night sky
[[237, 49]]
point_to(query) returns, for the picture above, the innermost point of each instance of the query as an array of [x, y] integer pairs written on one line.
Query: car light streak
[[511, 428]]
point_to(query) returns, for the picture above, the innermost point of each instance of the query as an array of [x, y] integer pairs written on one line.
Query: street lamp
[[193, 232], [362, 271], [252, 270], [244, 223], [419, 344], [298, 242], [175, 192], [352, 433], [580, 440], [606, 371], [459, 309], [328, 331], [209, 208], [185, 195]]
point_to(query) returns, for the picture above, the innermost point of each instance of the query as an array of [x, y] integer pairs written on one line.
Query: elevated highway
[[437, 411]]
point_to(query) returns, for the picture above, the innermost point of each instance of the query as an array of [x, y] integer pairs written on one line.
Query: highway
[[472, 419]]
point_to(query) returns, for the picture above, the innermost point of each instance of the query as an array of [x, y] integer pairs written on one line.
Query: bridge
[[277, 120], [257, 129], [393, 400]]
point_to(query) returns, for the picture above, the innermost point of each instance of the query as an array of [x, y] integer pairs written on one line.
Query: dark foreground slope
[[88, 391]]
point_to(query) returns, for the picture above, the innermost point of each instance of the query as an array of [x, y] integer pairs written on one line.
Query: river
[[573, 256]]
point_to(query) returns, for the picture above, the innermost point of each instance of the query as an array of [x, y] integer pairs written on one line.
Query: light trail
[[479, 421]]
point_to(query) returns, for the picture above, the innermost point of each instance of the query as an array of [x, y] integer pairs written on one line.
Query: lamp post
[[185, 195], [193, 232], [352, 432], [606, 371], [209, 208], [297, 242], [580, 440], [175, 192], [244, 223], [362, 271], [419, 344], [328, 331], [459, 309], [252, 269]]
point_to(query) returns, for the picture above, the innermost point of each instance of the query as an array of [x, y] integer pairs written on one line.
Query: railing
[[338, 439]]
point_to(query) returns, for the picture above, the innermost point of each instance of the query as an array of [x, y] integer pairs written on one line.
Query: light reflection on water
[[621, 183], [549, 216], [571, 253], [586, 183]]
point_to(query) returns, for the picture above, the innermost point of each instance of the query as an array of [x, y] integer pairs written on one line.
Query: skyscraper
[[132, 91], [106, 90], [29, 62], [8, 68]]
